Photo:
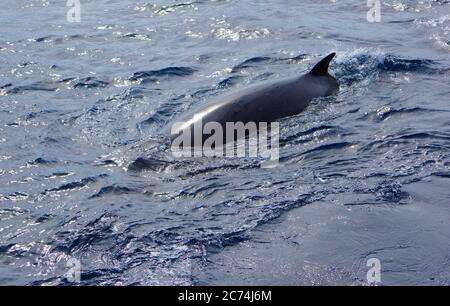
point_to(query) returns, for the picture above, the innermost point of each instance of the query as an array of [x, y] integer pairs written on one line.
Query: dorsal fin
[[321, 68]]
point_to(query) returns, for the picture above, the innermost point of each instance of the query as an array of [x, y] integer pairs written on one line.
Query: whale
[[261, 103]]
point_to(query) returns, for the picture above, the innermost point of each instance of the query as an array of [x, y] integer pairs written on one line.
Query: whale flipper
[[321, 68]]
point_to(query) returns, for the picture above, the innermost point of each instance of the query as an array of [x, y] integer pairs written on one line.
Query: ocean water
[[87, 180]]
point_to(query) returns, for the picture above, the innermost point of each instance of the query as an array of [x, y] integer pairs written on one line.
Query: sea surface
[[87, 181]]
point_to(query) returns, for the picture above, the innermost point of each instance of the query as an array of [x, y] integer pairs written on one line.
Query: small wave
[[155, 75], [405, 137], [15, 196], [218, 168], [107, 162], [258, 60], [294, 138], [441, 174], [171, 8], [222, 29], [387, 112], [77, 184], [250, 63], [90, 82], [38, 86], [396, 64], [41, 161], [43, 218], [94, 231], [84, 82], [363, 64], [44, 38], [328, 146], [424, 135], [200, 93], [6, 86], [34, 115], [4, 249], [112, 190], [7, 213], [137, 36], [162, 114], [203, 190], [294, 59], [229, 82], [402, 21], [152, 164], [385, 192], [389, 192]]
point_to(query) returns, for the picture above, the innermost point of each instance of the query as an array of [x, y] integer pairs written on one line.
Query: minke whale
[[266, 102]]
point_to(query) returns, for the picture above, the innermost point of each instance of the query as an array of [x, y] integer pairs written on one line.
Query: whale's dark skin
[[266, 102]]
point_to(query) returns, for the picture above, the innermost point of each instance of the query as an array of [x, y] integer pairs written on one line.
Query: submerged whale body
[[266, 102]]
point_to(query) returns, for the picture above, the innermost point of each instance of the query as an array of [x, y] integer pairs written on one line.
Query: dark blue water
[[85, 175]]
